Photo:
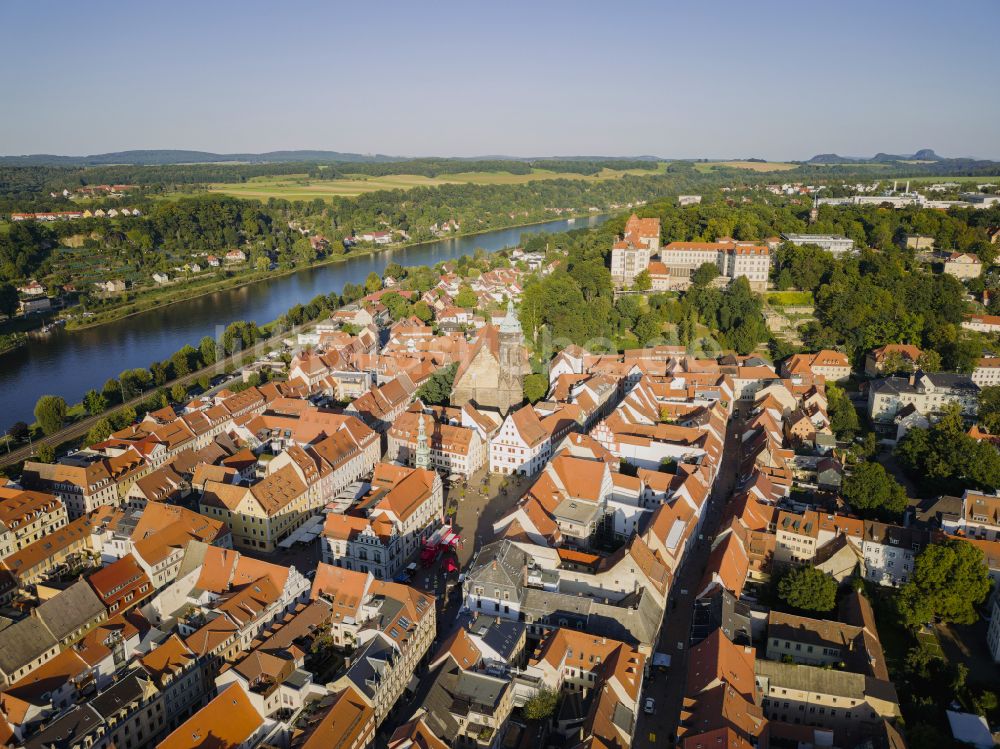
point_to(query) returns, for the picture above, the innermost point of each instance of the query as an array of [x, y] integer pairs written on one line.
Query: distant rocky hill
[[924, 154]]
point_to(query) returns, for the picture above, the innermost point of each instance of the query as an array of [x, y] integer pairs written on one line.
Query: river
[[68, 363]]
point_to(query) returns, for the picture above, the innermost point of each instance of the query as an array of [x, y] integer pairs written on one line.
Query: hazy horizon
[[730, 80]]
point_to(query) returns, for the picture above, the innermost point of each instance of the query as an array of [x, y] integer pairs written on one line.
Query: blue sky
[[717, 79]]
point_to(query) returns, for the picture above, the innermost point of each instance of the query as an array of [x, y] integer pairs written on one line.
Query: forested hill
[[173, 156], [164, 157]]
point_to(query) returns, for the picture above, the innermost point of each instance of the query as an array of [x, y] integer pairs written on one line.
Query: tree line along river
[[68, 363]]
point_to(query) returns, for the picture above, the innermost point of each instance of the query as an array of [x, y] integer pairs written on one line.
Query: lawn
[[895, 638], [302, 187], [790, 298]]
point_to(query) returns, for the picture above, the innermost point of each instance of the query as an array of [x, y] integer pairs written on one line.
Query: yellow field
[[754, 166], [302, 187]]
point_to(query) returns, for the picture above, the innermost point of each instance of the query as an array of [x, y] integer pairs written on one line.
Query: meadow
[[303, 187], [753, 166]]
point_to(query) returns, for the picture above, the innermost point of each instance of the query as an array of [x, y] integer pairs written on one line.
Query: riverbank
[[11, 341], [65, 362], [151, 300]]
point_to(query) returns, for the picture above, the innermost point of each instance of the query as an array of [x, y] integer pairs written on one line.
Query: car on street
[[649, 706]]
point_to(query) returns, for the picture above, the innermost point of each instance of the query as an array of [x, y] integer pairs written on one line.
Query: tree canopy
[[735, 312], [808, 589], [950, 578], [944, 459], [466, 297], [989, 408], [843, 416], [437, 389], [50, 413], [536, 386], [872, 491], [542, 704]]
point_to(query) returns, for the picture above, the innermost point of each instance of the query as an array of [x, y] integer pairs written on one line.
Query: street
[[667, 689], [479, 506], [478, 509]]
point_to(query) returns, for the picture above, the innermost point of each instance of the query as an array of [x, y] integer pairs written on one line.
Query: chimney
[[912, 378]]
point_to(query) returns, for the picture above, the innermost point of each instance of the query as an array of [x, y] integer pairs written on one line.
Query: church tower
[[423, 453], [513, 364], [814, 212]]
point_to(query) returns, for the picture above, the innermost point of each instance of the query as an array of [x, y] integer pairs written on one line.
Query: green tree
[[134, 381], [642, 281], [808, 589], [123, 417], [303, 250], [647, 327], [437, 389], [111, 390], [871, 490], [989, 408], [50, 413], [895, 363], [159, 372], [466, 298], [95, 402], [950, 578], [207, 349], [9, 300], [100, 431], [422, 311], [184, 361], [986, 703], [944, 459], [18, 431], [178, 393], [239, 336], [930, 361], [843, 416], [704, 274], [542, 704], [373, 283], [45, 453], [536, 386], [396, 304]]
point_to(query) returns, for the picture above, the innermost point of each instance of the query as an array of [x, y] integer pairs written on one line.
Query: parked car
[[649, 706]]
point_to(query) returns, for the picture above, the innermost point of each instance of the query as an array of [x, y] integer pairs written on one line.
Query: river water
[[68, 363]]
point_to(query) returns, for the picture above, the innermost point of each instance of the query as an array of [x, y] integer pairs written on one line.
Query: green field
[[790, 298], [753, 166], [964, 181], [302, 187]]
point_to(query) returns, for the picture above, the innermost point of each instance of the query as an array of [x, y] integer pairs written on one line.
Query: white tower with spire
[[422, 458]]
